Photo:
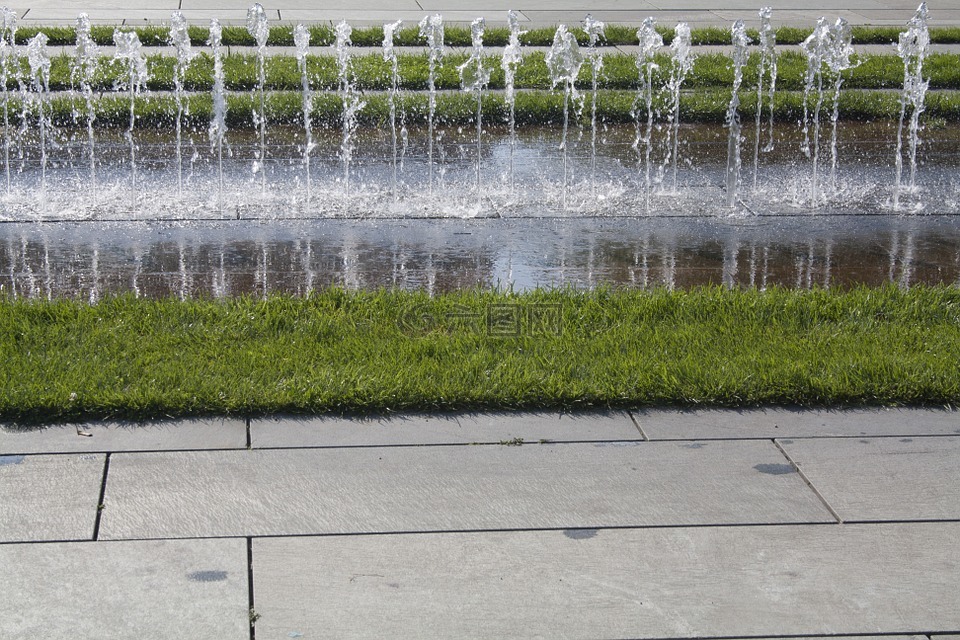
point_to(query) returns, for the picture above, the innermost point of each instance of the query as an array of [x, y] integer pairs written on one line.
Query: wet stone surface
[[216, 259]]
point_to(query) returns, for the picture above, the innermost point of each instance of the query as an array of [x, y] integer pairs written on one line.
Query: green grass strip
[[371, 72], [459, 35], [389, 351], [459, 108]]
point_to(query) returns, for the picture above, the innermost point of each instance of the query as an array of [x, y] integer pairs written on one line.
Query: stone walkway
[[698, 13], [647, 524]]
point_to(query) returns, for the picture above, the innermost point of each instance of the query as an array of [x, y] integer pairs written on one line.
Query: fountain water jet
[[9, 64], [218, 123], [258, 28], [390, 56], [564, 61], [741, 42], [180, 39], [912, 49], [85, 63], [827, 48], [512, 57], [817, 49], [594, 30], [650, 42], [431, 29], [474, 77], [839, 60], [766, 75], [351, 101], [301, 38], [39, 59], [682, 65], [130, 53]]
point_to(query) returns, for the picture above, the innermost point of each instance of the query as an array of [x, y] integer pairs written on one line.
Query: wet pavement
[[215, 259]]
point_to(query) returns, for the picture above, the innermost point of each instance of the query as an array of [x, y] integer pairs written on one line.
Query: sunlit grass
[[392, 351], [371, 72]]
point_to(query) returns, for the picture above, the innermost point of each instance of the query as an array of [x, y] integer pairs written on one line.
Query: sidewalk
[[699, 13], [647, 524]]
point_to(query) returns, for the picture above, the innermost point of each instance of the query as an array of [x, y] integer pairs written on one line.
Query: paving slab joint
[[100, 499], [636, 423], [816, 491], [254, 616]]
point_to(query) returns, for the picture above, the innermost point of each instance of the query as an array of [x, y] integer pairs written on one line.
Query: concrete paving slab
[[777, 5], [78, 6], [49, 497], [152, 589], [672, 16], [724, 18], [573, 17], [491, 428], [55, 15], [803, 18], [397, 489], [652, 583], [443, 6], [409, 17], [706, 424], [214, 433], [309, 5], [884, 478]]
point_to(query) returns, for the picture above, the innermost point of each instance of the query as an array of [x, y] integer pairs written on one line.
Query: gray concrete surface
[[884, 478], [489, 428], [125, 436], [533, 12], [49, 497], [381, 534], [174, 495], [154, 589], [668, 424], [654, 583]]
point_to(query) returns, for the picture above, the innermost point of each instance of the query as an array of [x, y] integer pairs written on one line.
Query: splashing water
[[180, 39], [390, 56], [512, 57], [9, 65], [564, 61], [683, 57], [650, 42], [594, 30], [83, 68], [839, 59], [39, 59], [766, 76], [258, 28], [829, 56], [741, 42], [218, 123], [912, 49], [817, 50], [431, 28], [351, 101], [301, 39], [474, 77], [130, 54]]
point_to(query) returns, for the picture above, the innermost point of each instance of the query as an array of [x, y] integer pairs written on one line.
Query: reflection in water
[[219, 259]]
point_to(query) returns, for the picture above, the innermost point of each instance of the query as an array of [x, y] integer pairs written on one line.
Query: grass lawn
[[385, 351]]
